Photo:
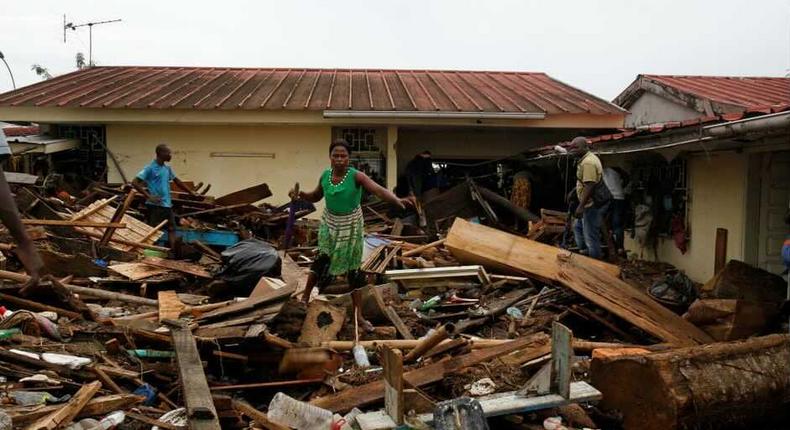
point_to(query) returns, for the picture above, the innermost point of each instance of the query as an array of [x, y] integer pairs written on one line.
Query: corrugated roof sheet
[[308, 89], [751, 93]]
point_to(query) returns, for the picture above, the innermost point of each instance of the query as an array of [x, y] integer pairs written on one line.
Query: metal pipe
[[13, 82], [433, 115]]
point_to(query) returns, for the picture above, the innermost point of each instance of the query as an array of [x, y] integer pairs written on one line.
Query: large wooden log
[[722, 385], [595, 280]]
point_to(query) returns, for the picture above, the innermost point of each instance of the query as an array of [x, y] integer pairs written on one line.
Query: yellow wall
[[300, 154], [718, 192]]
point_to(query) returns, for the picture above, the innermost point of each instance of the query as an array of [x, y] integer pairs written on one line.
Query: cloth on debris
[[677, 289], [246, 262], [522, 190], [147, 391], [157, 178], [679, 233]]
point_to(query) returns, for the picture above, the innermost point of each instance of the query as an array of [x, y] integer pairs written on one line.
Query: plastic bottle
[[84, 424], [287, 411], [431, 303], [9, 332], [360, 356]]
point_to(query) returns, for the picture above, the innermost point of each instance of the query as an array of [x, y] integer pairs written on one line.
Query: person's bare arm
[[183, 186], [26, 250], [141, 188], [384, 194], [585, 197], [311, 196]]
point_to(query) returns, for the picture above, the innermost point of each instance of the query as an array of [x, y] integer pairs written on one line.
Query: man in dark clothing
[[418, 176]]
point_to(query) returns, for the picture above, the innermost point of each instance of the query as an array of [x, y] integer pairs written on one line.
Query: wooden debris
[[137, 271], [178, 266], [170, 307], [66, 413], [322, 323], [392, 362]]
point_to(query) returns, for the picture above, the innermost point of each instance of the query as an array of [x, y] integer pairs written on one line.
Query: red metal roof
[[751, 93], [309, 89], [20, 130]]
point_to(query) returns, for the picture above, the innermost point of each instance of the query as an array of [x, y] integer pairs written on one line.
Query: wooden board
[[477, 244], [178, 266], [266, 285], [374, 391], [137, 271], [197, 397], [595, 280], [245, 196], [322, 323], [170, 307], [97, 406]]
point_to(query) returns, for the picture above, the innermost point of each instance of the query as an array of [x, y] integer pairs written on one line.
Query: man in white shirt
[[614, 182]]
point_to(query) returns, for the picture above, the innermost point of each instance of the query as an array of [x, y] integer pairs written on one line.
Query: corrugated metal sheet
[[309, 89], [751, 93]]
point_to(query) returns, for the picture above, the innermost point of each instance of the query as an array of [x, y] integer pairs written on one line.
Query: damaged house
[[275, 125], [710, 157]]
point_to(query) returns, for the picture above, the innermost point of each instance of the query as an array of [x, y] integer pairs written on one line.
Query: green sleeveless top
[[343, 198]]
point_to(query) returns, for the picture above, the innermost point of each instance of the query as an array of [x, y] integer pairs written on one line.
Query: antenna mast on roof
[[71, 26]]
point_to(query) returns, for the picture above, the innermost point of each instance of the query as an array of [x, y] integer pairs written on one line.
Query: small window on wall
[[663, 187], [366, 149]]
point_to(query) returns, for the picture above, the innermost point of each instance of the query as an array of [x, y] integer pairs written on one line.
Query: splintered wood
[[135, 232]]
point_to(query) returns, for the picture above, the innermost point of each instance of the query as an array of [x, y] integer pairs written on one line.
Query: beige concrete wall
[[651, 109], [718, 193], [300, 154]]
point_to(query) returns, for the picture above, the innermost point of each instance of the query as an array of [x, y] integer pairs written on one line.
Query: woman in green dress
[[340, 234]]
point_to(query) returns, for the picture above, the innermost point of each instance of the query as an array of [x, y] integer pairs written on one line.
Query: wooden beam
[[246, 196], [126, 242], [720, 254], [396, 321], [66, 413], [392, 361], [117, 217], [67, 223], [595, 280], [201, 412], [250, 304], [418, 250], [97, 406], [259, 417]]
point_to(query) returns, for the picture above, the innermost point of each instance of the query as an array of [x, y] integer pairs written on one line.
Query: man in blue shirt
[[154, 183]]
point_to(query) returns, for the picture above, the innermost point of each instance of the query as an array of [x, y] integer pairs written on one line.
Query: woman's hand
[[408, 202]]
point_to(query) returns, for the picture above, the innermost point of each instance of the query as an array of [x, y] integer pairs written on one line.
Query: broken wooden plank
[[94, 208], [117, 217], [396, 321], [68, 223], [170, 307], [97, 406], [259, 417], [67, 412], [246, 196], [249, 304], [178, 266], [197, 398], [420, 249], [322, 323], [374, 391], [137, 271], [595, 280], [475, 271]]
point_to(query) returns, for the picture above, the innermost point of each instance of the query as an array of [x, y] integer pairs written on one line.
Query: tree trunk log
[[722, 385]]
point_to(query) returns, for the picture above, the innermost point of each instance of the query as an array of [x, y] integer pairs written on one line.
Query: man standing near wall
[[589, 173], [154, 183], [9, 215]]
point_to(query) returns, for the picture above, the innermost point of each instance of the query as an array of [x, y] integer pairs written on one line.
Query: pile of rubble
[[475, 324]]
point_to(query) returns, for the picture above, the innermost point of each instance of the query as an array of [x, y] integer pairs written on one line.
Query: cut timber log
[[197, 398], [374, 391], [595, 280], [723, 385]]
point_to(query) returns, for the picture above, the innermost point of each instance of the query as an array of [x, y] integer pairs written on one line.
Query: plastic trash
[[52, 316], [32, 355], [112, 420], [8, 332], [245, 262], [5, 421], [360, 356], [515, 312], [72, 361], [431, 303], [553, 423], [150, 353], [461, 413], [147, 391], [84, 424], [481, 387], [32, 398], [287, 411], [177, 417], [39, 378]]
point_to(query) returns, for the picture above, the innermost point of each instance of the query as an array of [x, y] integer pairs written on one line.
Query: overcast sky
[[598, 46]]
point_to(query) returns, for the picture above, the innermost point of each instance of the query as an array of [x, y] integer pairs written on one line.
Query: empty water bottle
[[287, 411], [112, 420]]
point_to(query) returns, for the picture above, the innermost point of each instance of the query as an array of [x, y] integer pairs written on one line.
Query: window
[[360, 139], [664, 188], [366, 149]]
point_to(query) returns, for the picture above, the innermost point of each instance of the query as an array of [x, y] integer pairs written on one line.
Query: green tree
[[41, 71]]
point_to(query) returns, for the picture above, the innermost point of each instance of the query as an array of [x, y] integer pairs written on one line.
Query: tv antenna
[[72, 26]]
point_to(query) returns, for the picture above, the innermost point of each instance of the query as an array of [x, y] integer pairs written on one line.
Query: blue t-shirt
[[157, 178]]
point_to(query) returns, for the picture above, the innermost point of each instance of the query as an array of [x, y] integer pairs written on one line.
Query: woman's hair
[[340, 142]]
